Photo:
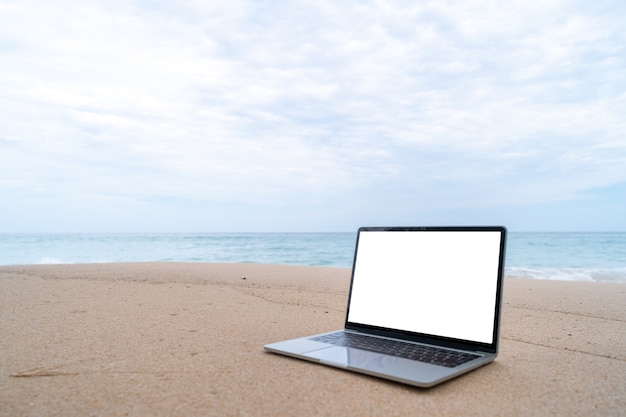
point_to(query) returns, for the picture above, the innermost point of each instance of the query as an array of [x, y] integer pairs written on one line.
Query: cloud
[[383, 104]]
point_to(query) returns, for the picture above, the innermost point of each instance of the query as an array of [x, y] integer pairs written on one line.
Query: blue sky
[[161, 116]]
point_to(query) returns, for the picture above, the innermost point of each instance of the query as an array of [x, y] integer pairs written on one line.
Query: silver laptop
[[424, 305]]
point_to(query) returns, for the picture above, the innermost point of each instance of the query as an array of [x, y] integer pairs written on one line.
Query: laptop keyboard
[[428, 354]]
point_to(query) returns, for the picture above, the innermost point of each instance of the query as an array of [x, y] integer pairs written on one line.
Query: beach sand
[[186, 339]]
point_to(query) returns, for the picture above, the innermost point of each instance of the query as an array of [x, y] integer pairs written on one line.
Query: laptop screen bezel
[[429, 338]]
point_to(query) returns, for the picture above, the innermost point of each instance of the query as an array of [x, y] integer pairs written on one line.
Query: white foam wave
[[51, 261], [570, 274]]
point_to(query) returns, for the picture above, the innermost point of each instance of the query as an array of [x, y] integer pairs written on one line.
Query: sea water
[[563, 256]]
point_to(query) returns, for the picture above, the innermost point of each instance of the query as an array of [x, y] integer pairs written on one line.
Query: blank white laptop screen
[[439, 283]]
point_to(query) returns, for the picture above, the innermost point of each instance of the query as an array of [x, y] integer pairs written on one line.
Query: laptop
[[424, 305]]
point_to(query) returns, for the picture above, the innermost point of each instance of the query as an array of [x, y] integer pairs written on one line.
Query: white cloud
[[471, 104]]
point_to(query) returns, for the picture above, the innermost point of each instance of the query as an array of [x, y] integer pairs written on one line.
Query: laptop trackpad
[[335, 356], [343, 357]]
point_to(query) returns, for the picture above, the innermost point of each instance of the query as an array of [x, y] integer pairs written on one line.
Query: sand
[[184, 339]]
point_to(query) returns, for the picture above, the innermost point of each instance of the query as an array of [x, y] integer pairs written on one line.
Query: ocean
[[558, 256]]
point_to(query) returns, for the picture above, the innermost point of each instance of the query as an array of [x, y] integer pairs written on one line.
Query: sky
[[258, 116]]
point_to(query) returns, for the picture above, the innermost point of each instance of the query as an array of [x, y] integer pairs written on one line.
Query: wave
[[51, 261], [617, 275]]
